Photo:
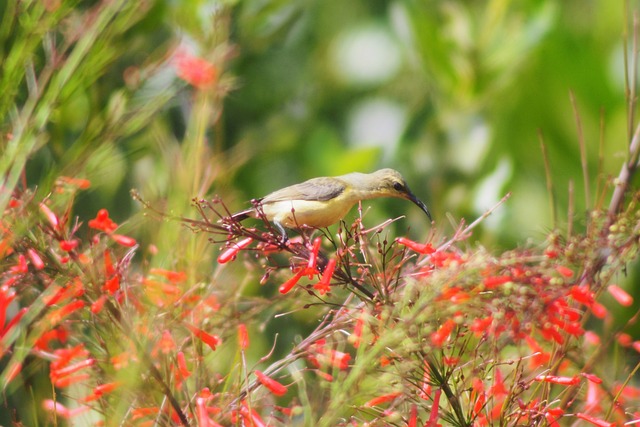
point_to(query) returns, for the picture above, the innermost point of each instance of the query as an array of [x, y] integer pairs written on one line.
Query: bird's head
[[390, 183]]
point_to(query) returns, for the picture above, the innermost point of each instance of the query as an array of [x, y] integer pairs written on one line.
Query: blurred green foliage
[[452, 93]]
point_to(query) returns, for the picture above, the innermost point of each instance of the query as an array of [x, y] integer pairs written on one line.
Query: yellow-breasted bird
[[320, 202]]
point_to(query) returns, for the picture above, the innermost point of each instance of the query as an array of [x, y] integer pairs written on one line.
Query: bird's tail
[[241, 216]]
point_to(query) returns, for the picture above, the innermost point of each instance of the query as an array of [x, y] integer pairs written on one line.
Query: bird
[[323, 201]]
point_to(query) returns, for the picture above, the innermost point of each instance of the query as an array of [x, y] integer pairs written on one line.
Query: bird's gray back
[[314, 189]]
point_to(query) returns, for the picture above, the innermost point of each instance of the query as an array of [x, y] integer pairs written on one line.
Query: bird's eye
[[398, 187]]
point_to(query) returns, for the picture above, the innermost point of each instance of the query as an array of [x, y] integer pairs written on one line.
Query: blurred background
[[456, 95]]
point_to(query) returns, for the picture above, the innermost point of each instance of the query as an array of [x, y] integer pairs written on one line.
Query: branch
[[626, 174]]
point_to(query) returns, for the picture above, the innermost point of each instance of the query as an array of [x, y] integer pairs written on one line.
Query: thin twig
[[626, 174], [600, 182], [630, 80], [629, 167], [547, 172], [583, 151], [625, 57], [571, 210], [457, 236]]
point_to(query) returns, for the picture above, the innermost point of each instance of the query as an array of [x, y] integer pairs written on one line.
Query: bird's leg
[[283, 233], [307, 233]]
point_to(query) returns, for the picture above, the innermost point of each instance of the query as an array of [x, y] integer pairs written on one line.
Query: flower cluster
[[409, 333]]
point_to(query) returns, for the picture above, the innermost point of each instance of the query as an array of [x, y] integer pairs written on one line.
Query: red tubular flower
[[250, 416], [6, 296], [51, 217], [356, 336], [13, 322], [595, 421], [382, 399], [230, 253], [122, 360], [70, 380], [493, 282], [551, 334], [319, 354], [573, 328], [479, 404], [620, 295], [123, 240], [137, 413], [195, 71], [109, 267], [450, 360], [289, 284], [243, 336], [323, 286], [442, 334], [313, 257], [554, 379], [205, 393], [103, 222], [591, 338], [201, 413], [425, 386], [166, 343], [172, 276], [64, 355], [340, 359], [420, 248], [565, 271], [413, 416], [285, 411], [182, 365], [498, 388], [481, 326], [106, 388], [445, 259], [81, 183], [53, 406], [36, 261], [112, 285], [274, 386], [56, 316], [211, 340], [594, 397], [324, 375], [69, 245], [71, 369], [433, 418], [541, 357], [599, 310], [21, 266], [101, 390], [624, 339], [553, 415], [582, 294], [74, 289], [97, 305], [551, 253]]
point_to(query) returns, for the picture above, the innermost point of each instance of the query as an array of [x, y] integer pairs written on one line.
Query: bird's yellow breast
[[313, 213]]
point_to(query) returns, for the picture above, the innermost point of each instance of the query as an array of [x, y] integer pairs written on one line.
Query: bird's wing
[[313, 189]]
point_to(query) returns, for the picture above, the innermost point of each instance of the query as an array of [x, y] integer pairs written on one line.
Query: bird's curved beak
[[419, 203]]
